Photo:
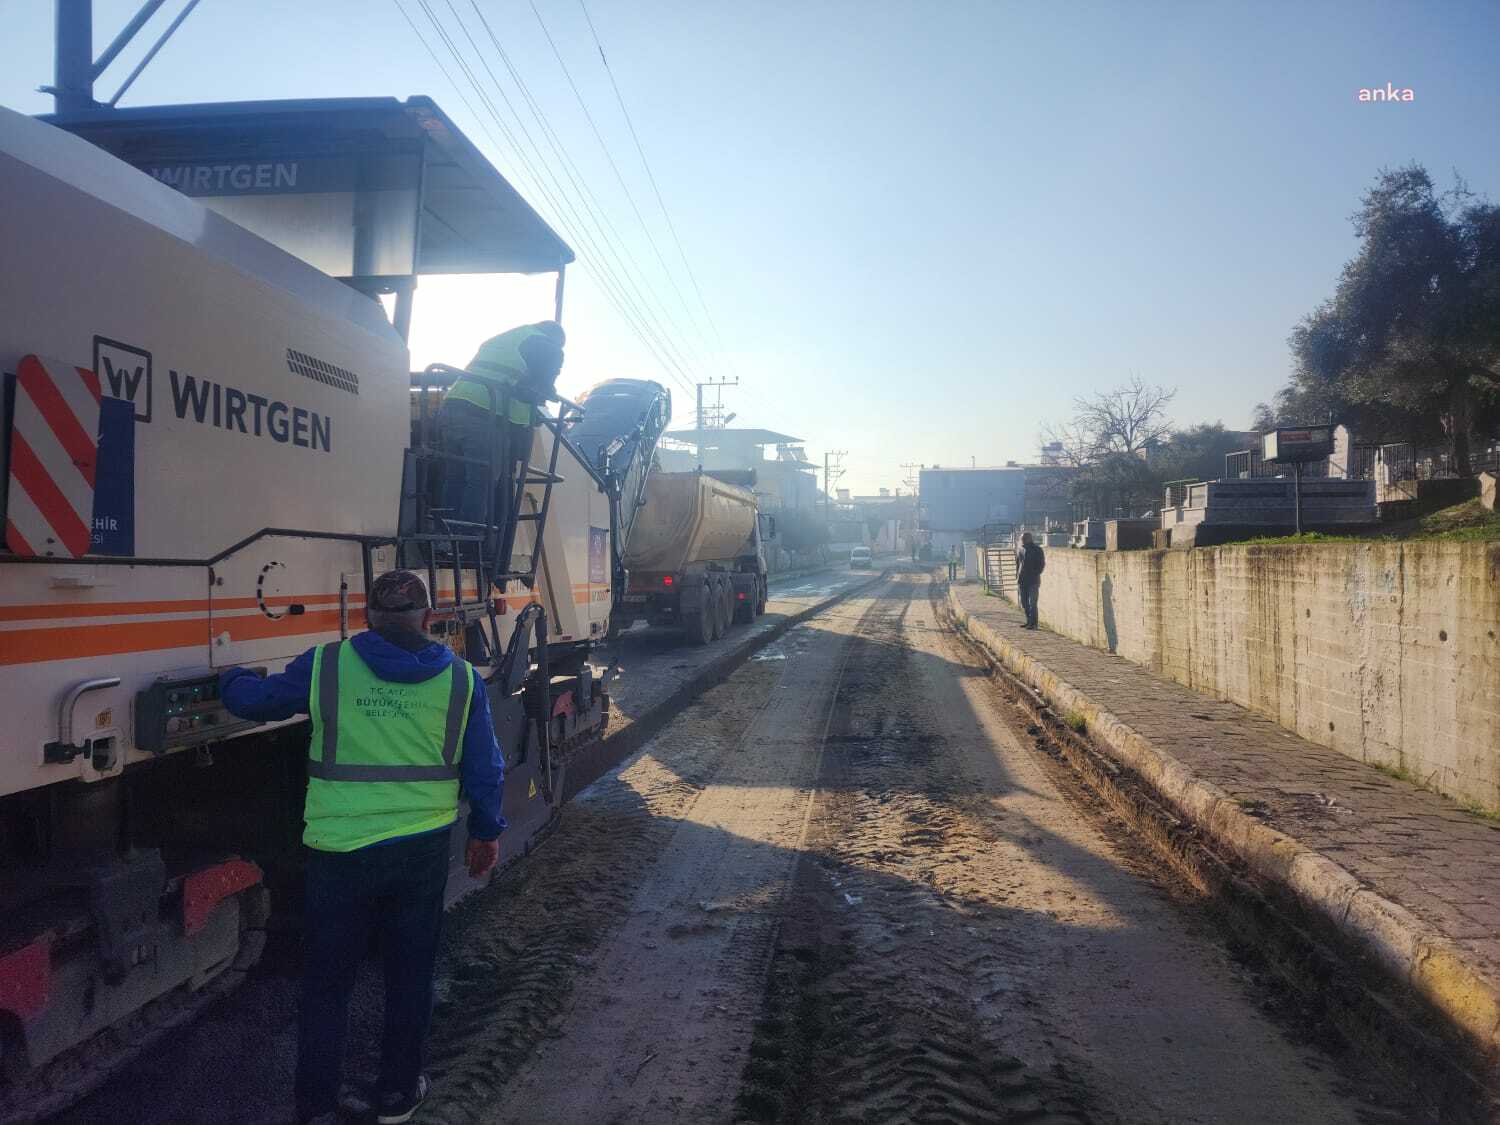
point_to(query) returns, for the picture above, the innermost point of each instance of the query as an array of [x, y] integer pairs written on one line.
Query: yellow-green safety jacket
[[384, 756], [499, 357]]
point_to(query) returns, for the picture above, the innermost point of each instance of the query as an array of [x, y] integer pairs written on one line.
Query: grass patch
[[1481, 810], [1076, 721], [1462, 523], [1308, 537], [1402, 773]]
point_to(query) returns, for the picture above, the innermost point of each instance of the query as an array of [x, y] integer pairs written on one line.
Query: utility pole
[[75, 69], [73, 58], [700, 419], [833, 469]]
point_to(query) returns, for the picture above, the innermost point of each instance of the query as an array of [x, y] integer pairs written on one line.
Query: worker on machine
[[526, 362], [398, 722]]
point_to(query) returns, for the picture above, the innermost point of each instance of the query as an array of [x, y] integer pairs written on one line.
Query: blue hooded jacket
[[287, 694]]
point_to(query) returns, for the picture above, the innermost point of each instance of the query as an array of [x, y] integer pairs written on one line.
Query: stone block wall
[[1387, 652]]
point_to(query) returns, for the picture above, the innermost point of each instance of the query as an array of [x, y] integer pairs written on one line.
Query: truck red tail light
[[741, 595], [666, 580]]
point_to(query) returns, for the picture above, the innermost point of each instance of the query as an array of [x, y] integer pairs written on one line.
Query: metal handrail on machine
[[469, 545]]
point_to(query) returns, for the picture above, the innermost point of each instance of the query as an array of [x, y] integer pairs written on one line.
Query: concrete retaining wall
[[1386, 652]]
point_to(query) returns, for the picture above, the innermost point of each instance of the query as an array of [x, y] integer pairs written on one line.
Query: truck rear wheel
[[699, 625], [721, 608], [761, 597], [729, 617]]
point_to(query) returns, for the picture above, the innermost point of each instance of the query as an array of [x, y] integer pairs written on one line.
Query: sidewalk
[[1402, 872]]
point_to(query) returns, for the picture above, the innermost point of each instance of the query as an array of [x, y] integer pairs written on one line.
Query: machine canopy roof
[[430, 202]]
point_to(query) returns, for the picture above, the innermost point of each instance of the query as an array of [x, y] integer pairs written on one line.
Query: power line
[[606, 279], [612, 287], [651, 176], [673, 359], [580, 183], [619, 176]]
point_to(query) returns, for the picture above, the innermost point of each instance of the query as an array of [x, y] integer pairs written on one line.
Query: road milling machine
[[212, 441]]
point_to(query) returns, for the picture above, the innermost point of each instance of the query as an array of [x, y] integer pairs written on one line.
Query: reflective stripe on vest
[[383, 760], [327, 767]]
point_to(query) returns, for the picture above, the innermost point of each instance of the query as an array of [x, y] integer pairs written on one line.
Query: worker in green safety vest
[[477, 415], [399, 725]]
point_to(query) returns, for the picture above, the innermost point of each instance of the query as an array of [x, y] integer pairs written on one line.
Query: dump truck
[[695, 557]]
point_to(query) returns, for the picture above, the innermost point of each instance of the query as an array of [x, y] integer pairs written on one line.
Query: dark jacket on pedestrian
[[403, 657], [1031, 560]]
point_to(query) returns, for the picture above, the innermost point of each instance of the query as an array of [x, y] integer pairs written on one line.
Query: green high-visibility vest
[[499, 357], [384, 757]]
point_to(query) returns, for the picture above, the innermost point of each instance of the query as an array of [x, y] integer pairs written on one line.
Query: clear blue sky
[[921, 228]]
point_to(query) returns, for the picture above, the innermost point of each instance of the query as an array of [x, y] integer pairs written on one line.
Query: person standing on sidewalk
[[398, 721], [952, 564], [1031, 560]]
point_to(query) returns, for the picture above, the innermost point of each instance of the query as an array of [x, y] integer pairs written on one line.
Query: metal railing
[[997, 558], [1176, 491], [1247, 464], [997, 566]]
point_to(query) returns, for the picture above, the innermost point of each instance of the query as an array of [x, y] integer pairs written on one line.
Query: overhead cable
[[613, 291]]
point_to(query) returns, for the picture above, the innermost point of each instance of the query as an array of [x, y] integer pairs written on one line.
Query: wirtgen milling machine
[[212, 441]]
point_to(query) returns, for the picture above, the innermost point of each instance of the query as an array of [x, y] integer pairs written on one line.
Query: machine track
[[86, 1066]]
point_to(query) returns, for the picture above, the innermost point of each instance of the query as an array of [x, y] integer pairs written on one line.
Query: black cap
[[398, 591], [552, 330]]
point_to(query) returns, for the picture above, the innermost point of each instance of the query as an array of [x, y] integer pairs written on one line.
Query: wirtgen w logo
[[124, 372]]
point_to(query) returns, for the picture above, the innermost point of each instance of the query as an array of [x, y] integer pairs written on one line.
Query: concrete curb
[[1407, 948]]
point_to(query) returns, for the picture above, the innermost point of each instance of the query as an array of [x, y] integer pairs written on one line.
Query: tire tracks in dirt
[[661, 1032], [968, 943], [867, 1016], [649, 917]]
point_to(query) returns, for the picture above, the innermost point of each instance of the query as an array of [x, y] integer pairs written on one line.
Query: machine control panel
[[183, 710]]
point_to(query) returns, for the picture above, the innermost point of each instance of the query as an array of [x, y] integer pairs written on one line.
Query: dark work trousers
[[466, 430], [1029, 591], [392, 890]]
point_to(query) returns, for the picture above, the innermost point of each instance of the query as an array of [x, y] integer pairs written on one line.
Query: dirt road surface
[[235, 1063], [842, 887], [839, 886]]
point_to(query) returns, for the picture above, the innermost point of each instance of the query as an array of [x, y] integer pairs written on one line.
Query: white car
[[859, 556]]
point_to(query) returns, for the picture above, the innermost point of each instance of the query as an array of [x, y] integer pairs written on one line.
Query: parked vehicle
[[861, 557]]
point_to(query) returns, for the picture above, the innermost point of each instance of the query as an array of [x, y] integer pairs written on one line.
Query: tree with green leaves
[[1410, 340]]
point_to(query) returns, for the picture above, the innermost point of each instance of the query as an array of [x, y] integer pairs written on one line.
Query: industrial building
[[784, 478], [954, 503]]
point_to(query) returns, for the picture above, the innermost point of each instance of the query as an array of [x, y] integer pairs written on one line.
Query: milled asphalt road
[[235, 1063], [843, 886], [840, 884]]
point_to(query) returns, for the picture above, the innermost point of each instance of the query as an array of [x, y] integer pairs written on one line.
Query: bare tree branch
[[1126, 419]]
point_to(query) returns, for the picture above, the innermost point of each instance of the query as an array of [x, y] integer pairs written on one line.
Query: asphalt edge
[[1406, 948], [612, 749]]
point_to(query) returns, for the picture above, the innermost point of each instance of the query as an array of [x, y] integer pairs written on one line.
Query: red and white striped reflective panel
[[54, 449]]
